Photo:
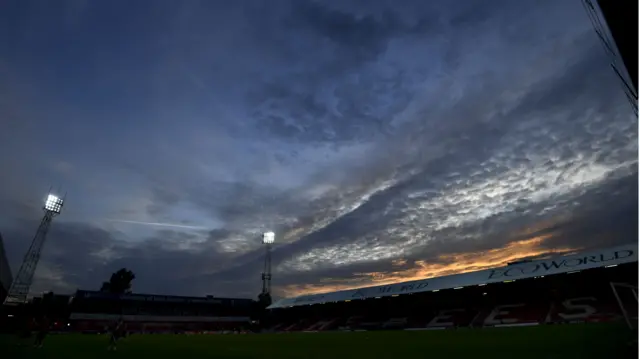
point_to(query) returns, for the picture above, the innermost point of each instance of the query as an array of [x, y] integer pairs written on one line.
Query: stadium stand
[[566, 289], [5, 272], [93, 311], [54, 307]]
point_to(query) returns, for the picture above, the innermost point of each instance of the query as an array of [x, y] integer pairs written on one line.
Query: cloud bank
[[382, 141]]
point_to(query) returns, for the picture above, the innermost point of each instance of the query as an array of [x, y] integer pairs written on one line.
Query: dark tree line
[[119, 283]]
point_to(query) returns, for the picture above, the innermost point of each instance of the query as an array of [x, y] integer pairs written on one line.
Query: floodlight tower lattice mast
[[267, 239], [20, 285]]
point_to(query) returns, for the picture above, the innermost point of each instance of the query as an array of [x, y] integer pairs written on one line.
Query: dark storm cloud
[[381, 140], [365, 37], [78, 256]]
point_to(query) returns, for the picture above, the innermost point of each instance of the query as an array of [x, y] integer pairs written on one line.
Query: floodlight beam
[[53, 204], [268, 238]]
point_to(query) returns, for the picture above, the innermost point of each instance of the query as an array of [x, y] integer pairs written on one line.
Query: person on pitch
[[116, 333]]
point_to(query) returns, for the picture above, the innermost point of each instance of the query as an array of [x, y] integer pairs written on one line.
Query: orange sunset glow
[[446, 264]]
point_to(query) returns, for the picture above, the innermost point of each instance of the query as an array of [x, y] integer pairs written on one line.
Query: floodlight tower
[[19, 288], [267, 239]]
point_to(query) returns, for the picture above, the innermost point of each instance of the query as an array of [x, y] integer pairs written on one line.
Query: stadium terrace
[[553, 266]]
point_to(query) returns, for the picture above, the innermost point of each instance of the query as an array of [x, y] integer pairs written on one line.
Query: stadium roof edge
[[555, 265], [81, 293]]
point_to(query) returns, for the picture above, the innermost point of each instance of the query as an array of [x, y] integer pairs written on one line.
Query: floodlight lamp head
[[268, 238], [53, 204]]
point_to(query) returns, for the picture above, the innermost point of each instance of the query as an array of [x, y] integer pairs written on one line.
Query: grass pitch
[[541, 342]]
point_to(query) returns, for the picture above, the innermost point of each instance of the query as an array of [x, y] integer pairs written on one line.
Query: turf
[[543, 342]]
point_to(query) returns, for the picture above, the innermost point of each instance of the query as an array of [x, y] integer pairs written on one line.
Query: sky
[[382, 141]]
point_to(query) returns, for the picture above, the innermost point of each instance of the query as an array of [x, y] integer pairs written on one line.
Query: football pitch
[[541, 342]]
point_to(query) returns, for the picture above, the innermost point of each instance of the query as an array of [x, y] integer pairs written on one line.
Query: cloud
[[381, 141], [159, 224], [444, 264]]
